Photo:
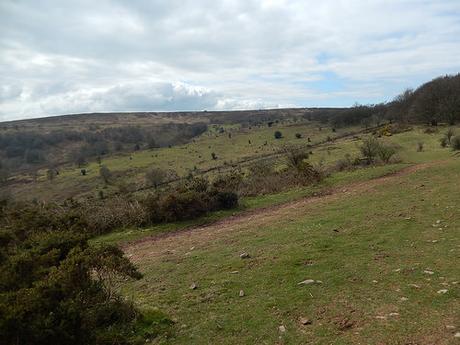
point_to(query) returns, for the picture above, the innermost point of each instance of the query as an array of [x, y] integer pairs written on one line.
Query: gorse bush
[[113, 213], [182, 206], [55, 288], [226, 200], [191, 199], [229, 182], [296, 156]]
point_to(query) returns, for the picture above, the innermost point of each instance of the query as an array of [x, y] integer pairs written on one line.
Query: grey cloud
[[69, 56], [140, 96], [10, 92]]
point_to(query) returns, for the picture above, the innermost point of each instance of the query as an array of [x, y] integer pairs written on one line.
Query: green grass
[[384, 240], [368, 249], [407, 141]]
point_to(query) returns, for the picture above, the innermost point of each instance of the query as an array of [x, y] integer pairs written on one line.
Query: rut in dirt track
[[198, 236]]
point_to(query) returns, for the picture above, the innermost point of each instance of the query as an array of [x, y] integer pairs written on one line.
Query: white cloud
[[113, 55]]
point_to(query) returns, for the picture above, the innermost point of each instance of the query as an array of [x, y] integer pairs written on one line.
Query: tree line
[[432, 103], [28, 148]]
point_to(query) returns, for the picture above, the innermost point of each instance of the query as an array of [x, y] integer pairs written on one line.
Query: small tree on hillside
[[51, 174], [386, 152], [155, 176], [296, 159], [105, 174], [370, 149], [151, 143], [3, 174], [295, 156]]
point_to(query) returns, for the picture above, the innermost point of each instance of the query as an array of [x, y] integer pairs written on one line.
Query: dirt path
[[183, 240]]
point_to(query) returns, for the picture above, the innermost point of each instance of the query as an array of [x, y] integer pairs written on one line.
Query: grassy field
[[381, 245], [234, 145], [387, 256], [328, 154]]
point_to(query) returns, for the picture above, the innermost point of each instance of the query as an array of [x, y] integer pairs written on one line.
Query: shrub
[[345, 163], [113, 213], [51, 174], [263, 178], [182, 206], [455, 143], [448, 138], [370, 149], [197, 184], [298, 135], [278, 135], [386, 152], [192, 199], [310, 174], [449, 135], [4, 174], [443, 141], [431, 130], [155, 176], [105, 174], [68, 294], [226, 200], [295, 156], [229, 182], [260, 168]]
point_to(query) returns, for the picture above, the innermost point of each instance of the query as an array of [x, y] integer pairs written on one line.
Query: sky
[[74, 56]]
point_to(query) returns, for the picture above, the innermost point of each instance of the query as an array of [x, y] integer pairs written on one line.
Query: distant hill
[[33, 144]]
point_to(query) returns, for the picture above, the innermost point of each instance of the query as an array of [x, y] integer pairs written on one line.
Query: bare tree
[[105, 174], [155, 176]]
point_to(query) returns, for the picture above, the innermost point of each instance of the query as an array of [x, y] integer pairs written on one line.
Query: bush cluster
[[450, 139], [455, 143], [185, 201], [264, 178], [55, 288], [189, 200], [374, 150]]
